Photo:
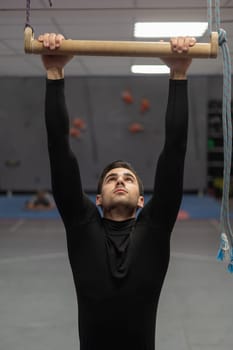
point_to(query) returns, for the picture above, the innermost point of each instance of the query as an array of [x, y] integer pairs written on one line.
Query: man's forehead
[[120, 171]]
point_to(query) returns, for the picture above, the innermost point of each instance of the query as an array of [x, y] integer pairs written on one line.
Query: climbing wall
[[110, 118]]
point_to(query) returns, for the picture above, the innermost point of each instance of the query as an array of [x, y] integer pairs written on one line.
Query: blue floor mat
[[13, 207], [196, 207], [201, 207]]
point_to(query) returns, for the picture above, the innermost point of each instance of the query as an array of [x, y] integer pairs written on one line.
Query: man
[[119, 261], [41, 201]]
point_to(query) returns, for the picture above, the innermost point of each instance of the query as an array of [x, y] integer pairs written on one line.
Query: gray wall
[[24, 162]]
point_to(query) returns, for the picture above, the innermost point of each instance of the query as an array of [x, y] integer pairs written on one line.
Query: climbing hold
[[136, 128], [75, 132], [145, 105], [127, 97], [79, 123]]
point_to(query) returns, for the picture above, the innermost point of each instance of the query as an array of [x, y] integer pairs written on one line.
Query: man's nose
[[120, 180]]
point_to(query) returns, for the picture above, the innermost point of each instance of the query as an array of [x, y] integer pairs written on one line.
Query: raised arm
[[65, 175], [168, 185]]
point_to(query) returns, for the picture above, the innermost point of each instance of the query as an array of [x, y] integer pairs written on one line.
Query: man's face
[[120, 188]]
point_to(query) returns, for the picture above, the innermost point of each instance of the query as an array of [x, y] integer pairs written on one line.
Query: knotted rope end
[[225, 252], [230, 266], [222, 36], [224, 249]]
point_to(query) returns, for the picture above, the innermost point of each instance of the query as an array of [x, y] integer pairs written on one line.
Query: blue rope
[[226, 242], [217, 14], [209, 16]]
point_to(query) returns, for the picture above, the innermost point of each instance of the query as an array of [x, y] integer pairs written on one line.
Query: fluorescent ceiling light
[[150, 69], [169, 29]]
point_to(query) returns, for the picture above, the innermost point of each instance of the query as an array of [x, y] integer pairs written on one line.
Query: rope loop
[[28, 12], [222, 36]]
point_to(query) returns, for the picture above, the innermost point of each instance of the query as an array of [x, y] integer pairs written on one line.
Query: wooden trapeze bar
[[119, 48]]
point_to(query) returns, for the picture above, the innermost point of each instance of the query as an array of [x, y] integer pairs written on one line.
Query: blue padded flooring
[[193, 207]]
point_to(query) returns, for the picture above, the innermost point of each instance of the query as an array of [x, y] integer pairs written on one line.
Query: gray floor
[[37, 300]]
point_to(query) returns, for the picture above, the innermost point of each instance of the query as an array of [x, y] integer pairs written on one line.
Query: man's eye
[[129, 179]]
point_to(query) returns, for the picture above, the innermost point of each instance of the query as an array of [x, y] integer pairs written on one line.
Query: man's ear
[[98, 200], [140, 202]]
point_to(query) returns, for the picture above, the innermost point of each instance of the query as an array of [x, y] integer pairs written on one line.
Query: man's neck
[[118, 214]]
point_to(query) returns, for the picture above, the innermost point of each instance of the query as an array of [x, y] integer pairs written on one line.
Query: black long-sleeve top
[[117, 311]]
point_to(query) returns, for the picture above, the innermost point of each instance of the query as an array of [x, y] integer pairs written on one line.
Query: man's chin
[[124, 201]]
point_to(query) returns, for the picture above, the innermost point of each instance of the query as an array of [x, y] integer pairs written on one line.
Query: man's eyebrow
[[110, 175], [129, 174]]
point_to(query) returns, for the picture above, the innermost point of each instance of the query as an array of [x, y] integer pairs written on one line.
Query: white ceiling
[[98, 20]]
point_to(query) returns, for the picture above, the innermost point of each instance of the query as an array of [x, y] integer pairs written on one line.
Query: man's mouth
[[120, 190]]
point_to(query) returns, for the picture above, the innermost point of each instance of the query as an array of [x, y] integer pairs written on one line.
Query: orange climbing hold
[[135, 128], [79, 123], [145, 105], [127, 97], [75, 132]]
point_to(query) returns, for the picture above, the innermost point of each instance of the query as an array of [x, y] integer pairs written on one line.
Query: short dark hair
[[119, 164]]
